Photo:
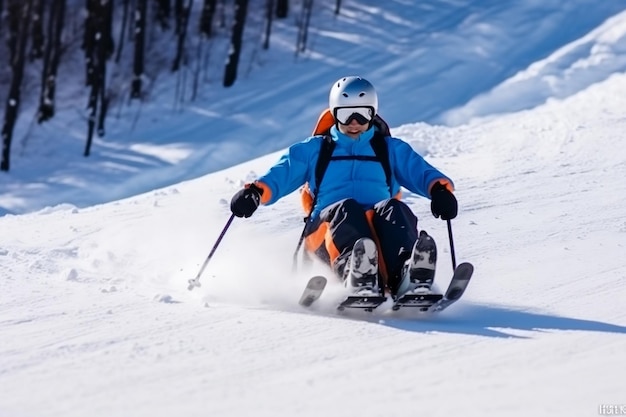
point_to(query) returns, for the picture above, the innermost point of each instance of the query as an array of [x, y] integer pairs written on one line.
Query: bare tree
[[20, 12], [206, 31], [36, 50], [269, 9], [206, 17], [282, 9], [222, 13], [230, 71], [89, 36], [105, 52], [182, 34], [120, 43], [14, 10], [51, 59], [139, 36], [98, 101], [163, 13], [303, 28], [179, 11]]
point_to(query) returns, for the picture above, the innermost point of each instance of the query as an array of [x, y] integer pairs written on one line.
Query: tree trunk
[[140, 28], [230, 71], [303, 29], [37, 43], [17, 69], [307, 22], [182, 34], [269, 9], [163, 13], [52, 57], [282, 9], [337, 6], [120, 44], [105, 51], [198, 68], [206, 17], [102, 51], [88, 39], [92, 106], [14, 16], [179, 6], [222, 14]]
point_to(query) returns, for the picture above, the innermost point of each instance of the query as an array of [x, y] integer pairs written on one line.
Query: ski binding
[[367, 303], [439, 302]]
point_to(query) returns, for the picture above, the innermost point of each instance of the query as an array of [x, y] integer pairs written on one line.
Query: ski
[[313, 290], [315, 287], [432, 303], [439, 302], [456, 289]]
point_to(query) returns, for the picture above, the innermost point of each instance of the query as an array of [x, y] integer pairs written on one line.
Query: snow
[[528, 119]]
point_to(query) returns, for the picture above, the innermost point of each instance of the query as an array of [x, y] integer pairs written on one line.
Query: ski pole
[[294, 263], [306, 256], [195, 282], [451, 245]]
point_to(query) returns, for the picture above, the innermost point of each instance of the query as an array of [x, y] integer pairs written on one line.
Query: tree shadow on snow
[[493, 321]]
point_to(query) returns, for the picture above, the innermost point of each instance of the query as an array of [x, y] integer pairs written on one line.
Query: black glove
[[245, 202], [442, 202]]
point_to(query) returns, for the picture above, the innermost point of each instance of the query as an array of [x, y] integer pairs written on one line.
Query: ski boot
[[361, 276], [418, 272]]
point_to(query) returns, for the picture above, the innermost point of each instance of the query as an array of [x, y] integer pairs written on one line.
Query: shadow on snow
[[492, 321]]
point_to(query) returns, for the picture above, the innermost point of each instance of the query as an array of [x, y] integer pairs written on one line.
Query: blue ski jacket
[[361, 180]]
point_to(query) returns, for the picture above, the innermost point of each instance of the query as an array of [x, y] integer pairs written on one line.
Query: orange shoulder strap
[[324, 123]]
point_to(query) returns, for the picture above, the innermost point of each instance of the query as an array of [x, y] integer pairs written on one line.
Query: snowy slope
[[96, 320]]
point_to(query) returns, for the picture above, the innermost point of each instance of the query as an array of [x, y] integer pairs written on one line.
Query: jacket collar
[[364, 137]]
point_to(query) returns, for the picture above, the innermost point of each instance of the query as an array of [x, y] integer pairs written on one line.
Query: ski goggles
[[362, 115]]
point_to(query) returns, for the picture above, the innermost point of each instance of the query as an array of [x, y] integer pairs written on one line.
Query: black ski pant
[[390, 223]]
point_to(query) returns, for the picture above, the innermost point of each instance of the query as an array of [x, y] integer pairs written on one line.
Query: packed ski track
[[97, 296], [96, 319]]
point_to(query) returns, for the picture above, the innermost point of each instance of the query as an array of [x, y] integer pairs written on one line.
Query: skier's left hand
[[442, 202]]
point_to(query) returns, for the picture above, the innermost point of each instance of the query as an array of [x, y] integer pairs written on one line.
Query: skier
[[357, 223]]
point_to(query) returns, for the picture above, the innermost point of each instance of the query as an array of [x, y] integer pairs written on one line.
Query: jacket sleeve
[[412, 171], [289, 173]]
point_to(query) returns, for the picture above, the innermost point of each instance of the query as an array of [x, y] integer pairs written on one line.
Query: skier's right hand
[[245, 202]]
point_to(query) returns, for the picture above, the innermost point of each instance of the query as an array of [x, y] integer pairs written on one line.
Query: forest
[[119, 45]]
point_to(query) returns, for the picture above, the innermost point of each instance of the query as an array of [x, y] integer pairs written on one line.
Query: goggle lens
[[362, 115]]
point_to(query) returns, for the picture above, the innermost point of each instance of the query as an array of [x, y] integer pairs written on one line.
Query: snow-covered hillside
[[96, 319], [432, 61]]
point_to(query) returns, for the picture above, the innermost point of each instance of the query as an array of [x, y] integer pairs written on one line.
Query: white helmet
[[353, 91]]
